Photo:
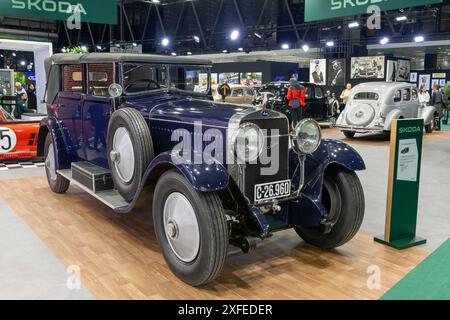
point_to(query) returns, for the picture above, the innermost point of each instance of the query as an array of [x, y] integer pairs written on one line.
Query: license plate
[[273, 190]]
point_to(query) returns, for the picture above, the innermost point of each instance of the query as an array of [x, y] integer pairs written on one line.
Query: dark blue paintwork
[[76, 127]]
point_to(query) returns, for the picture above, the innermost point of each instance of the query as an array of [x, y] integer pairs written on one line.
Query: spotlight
[[2, 56], [22, 63], [285, 46], [419, 39], [117, 45], [257, 35], [84, 48], [156, 1], [14, 54], [64, 50], [234, 35], [305, 48], [134, 44], [174, 54], [240, 49], [354, 24], [384, 41], [189, 53], [225, 51], [99, 47], [330, 43], [401, 18], [196, 39], [165, 42]]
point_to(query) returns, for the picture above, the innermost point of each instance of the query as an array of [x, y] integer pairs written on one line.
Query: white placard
[[408, 160]]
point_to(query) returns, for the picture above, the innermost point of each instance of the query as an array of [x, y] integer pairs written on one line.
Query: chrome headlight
[[308, 136], [248, 143]]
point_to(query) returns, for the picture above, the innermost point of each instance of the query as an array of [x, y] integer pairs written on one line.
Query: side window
[[319, 93], [100, 77], [73, 78], [237, 93], [414, 94], [406, 94], [309, 92], [249, 92], [398, 96]]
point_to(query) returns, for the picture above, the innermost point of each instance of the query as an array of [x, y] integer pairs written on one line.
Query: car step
[[97, 182]]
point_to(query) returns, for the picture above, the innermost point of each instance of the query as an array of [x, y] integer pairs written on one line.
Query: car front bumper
[[360, 129]]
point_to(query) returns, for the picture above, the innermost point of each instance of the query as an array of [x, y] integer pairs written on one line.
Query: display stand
[[403, 186]]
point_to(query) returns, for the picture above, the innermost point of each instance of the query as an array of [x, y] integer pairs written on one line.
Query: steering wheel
[[150, 83]]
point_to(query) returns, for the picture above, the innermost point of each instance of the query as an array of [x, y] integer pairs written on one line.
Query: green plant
[[77, 50]]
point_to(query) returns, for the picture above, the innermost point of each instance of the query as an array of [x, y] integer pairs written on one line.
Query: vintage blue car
[[223, 174]]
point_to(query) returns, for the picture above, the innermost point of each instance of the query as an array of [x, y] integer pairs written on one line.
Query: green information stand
[[403, 185]]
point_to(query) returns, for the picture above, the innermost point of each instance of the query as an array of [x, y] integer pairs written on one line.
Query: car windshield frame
[[206, 69], [163, 86]]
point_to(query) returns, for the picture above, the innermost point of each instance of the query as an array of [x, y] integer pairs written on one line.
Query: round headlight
[[308, 136], [248, 143]]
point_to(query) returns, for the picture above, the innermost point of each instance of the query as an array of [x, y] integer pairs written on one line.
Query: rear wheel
[[191, 229], [343, 197], [57, 183], [349, 134]]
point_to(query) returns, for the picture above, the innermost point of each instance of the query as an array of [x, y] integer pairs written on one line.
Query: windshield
[[190, 78], [140, 77]]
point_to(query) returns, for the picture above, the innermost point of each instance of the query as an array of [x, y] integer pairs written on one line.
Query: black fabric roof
[[70, 58]]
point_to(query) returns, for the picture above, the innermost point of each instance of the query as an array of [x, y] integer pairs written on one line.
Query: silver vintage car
[[372, 106]]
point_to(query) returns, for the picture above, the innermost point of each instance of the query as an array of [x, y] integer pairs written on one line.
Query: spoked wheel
[[343, 198], [191, 229], [57, 183]]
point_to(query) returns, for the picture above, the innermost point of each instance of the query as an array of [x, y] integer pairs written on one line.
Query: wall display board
[[439, 75], [368, 67], [404, 70], [391, 71], [336, 72], [434, 82], [403, 184], [442, 82], [318, 71], [229, 77], [424, 80], [413, 77], [6, 82], [251, 78], [316, 10]]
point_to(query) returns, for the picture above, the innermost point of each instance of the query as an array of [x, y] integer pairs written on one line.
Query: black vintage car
[[316, 101]]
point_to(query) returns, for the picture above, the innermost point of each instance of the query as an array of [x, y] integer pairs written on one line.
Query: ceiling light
[[174, 54], [401, 18], [285, 46], [22, 63], [196, 39], [14, 54], [419, 39], [2, 56], [305, 48], [330, 43], [84, 48], [99, 47], [134, 44], [257, 35], [354, 24], [165, 42], [63, 50], [240, 49], [156, 1], [225, 51], [189, 53], [384, 41], [234, 35], [117, 45]]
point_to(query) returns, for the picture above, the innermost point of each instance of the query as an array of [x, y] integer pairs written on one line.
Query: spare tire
[[360, 115], [130, 150]]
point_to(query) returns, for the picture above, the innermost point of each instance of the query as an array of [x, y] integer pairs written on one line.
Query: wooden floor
[[120, 258]]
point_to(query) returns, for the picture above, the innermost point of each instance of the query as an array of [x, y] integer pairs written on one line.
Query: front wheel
[[57, 183], [191, 229], [343, 197], [429, 127]]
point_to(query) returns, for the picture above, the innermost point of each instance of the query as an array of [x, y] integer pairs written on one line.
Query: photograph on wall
[[425, 80], [336, 72], [213, 78], [413, 77], [251, 78], [229, 77], [442, 82], [404, 70], [368, 67], [391, 71], [434, 82], [318, 71]]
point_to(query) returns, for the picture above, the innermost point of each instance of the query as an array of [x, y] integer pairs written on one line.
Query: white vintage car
[[372, 107]]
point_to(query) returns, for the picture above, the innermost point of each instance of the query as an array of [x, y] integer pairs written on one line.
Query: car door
[[97, 109], [406, 106], [69, 103]]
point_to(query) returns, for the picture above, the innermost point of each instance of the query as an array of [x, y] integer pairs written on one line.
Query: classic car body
[[240, 94], [113, 146], [18, 137], [372, 107], [316, 102]]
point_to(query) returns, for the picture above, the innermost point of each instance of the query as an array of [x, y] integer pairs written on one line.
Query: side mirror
[[115, 90]]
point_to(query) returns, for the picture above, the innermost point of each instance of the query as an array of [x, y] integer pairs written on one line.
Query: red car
[[18, 138]]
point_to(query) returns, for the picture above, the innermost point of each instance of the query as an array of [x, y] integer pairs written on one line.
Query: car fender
[[427, 114], [203, 177], [50, 126], [330, 154], [392, 115]]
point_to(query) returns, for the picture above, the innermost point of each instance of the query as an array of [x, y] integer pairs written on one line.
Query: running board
[[111, 197]]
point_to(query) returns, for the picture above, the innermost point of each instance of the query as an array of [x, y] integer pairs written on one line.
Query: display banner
[[403, 184], [96, 11], [316, 10]]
